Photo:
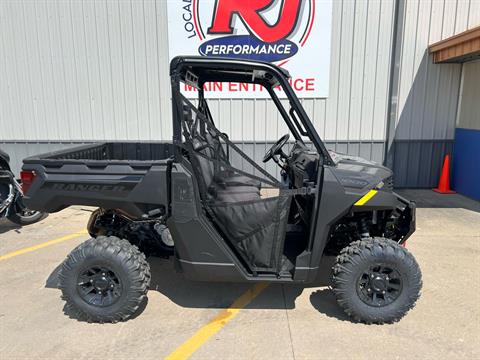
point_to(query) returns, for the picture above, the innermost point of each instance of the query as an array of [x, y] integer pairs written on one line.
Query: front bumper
[[407, 219]]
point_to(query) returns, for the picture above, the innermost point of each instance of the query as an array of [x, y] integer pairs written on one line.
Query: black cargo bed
[[129, 176], [108, 151]]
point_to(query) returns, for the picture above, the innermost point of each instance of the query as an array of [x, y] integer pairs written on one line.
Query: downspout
[[392, 109]]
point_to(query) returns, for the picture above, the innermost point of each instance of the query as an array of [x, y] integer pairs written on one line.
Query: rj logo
[[249, 11]]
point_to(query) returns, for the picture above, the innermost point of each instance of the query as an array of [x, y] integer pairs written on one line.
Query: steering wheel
[[276, 148]]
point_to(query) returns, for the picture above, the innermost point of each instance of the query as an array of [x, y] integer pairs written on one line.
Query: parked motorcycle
[[11, 197]]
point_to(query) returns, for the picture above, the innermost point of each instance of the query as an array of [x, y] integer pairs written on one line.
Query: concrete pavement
[[283, 322]]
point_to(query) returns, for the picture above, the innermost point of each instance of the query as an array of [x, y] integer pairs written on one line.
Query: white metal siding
[[359, 73], [428, 93], [98, 70], [91, 70], [84, 70]]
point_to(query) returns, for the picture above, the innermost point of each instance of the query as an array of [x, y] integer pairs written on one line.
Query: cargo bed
[[129, 176], [130, 151]]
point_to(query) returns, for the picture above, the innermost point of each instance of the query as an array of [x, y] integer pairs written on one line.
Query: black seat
[[222, 185], [227, 178]]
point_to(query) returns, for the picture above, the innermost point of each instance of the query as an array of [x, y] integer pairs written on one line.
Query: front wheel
[[376, 280], [104, 279]]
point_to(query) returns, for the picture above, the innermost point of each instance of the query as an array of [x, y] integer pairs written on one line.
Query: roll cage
[[197, 71]]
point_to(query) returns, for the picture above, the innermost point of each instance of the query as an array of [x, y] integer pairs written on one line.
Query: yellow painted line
[[42, 245], [185, 350], [365, 198]]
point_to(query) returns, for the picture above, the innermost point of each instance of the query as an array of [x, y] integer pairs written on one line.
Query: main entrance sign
[[294, 34]]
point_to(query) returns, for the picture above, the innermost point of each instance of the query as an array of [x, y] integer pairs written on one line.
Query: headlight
[[386, 184]]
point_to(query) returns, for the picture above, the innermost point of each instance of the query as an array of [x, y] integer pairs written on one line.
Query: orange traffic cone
[[444, 183]]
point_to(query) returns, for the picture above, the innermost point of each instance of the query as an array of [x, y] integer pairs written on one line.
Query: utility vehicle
[[221, 216]]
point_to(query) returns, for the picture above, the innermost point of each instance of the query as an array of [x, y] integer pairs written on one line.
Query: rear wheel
[[376, 280], [105, 279], [26, 217], [21, 215]]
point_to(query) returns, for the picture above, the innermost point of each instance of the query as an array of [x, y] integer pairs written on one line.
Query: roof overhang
[[458, 48]]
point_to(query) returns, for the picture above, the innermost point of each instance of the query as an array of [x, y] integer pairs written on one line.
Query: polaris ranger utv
[[221, 216]]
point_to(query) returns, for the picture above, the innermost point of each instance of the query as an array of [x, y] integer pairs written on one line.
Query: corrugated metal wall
[[84, 70], [427, 93], [356, 106], [98, 70]]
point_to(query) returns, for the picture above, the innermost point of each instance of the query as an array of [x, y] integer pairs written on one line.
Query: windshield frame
[[208, 69]]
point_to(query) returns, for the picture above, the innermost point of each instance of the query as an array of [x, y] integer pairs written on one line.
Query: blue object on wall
[[466, 162]]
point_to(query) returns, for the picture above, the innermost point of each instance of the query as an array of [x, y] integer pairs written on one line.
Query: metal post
[[392, 111]]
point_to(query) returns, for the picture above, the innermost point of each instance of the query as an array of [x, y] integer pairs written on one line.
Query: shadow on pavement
[[6, 225], [74, 315], [324, 301], [220, 295], [425, 198], [196, 294], [53, 280]]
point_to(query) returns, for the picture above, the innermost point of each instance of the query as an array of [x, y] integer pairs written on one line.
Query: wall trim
[[394, 81]]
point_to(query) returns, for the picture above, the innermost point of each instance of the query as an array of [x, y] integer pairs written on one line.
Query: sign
[[294, 34]]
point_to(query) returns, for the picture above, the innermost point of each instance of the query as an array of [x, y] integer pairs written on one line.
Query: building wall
[[469, 107], [98, 70], [85, 71], [466, 156], [427, 93]]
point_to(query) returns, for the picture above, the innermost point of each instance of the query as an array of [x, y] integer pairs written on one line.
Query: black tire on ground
[[376, 280], [20, 215], [104, 279], [22, 219]]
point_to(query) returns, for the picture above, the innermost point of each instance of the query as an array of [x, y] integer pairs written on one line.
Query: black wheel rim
[[27, 213], [379, 285], [99, 286], [22, 211]]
